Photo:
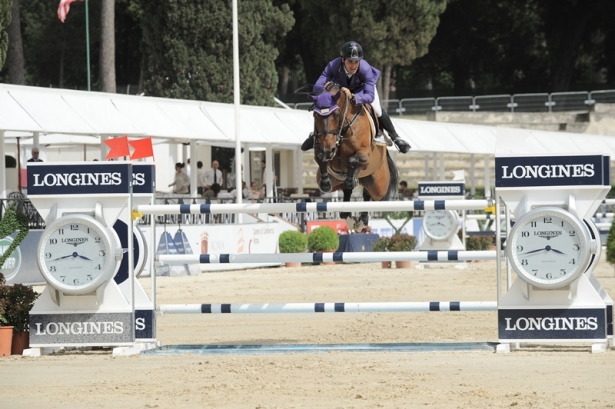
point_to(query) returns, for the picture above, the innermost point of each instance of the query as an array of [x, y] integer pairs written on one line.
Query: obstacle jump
[[320, 307]]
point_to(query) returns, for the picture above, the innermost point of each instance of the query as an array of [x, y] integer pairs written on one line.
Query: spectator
[[254, 191], [35, 153], [227, 194], [212, 175], [245, 192], [200, 178], [182, 182], [404, 192], [212, 192]]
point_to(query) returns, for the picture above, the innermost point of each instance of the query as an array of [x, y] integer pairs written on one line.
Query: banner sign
[[550, 171], [143, 179], [427, 189], [80, 329], [79, 179], [552, 324]]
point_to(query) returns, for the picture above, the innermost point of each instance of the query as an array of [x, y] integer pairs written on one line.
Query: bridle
[[339, 133]]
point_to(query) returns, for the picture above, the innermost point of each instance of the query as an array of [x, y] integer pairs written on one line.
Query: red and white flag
[[63, 9]]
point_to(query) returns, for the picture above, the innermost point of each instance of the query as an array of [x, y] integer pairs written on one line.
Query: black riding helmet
[[352, 51]]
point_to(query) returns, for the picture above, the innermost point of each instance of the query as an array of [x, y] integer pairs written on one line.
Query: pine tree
[[5, 19], [188, 49]]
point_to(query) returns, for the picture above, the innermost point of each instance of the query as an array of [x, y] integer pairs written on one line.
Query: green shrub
[[402, 242], [382, 244], [323, 238], [610, 245], [17, 301], [292, 241], [478, 243]]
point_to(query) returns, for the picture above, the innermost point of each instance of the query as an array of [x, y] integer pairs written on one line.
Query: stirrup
[[383, 139]]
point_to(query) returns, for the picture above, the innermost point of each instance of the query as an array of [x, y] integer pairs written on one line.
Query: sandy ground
[[536, 377]]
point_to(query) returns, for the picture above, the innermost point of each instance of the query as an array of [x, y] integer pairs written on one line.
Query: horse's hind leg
[[347, 216], [363, 220]]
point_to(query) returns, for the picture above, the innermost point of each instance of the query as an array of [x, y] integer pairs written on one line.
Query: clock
[[549, 247], [440, 224], [77, 254]]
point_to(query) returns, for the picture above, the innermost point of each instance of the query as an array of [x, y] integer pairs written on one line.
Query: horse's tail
[[392, 191]]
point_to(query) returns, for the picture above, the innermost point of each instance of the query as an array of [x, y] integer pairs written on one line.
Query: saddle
[[376, 131]]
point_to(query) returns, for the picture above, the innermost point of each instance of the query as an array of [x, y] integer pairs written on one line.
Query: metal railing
[[539, 102]]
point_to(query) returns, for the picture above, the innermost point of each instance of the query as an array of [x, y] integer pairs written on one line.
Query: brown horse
[[345, 152]]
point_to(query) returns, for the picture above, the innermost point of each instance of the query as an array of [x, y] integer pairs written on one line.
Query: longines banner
[[79, 179], [555, 324], [427, 189], [80, 329], [586, 170]]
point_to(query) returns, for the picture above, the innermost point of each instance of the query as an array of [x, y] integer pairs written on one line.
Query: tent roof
[[61, 111]]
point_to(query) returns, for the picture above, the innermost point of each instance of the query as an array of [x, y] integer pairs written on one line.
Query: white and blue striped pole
[[347, 257], [272, 308], [223, 208]]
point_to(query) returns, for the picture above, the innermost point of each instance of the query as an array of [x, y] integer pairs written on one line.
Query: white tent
[[46, 111]]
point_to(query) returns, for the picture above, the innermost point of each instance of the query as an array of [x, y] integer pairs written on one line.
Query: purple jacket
[[361, 84]]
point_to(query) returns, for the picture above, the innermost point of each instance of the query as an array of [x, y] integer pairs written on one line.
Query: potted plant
[[402, 242], [323, 240], [382, 245], [292, 241], [18, 300], [6, 331]]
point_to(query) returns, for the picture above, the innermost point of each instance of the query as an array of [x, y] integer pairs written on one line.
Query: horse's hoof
[[325, 185], [344, 215]]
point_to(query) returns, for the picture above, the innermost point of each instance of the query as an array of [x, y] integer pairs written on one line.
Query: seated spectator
[[404, 192], [213, 191], [227, 194]]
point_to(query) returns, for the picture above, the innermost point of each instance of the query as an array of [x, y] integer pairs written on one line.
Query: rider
[[351, 71]]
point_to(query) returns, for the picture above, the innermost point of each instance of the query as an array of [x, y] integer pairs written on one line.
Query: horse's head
[[327, 121]]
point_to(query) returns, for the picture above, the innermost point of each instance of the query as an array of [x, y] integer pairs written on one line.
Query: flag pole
[[87, 40]]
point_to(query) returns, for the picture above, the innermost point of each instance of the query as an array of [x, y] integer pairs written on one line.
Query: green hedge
[[323, 238]]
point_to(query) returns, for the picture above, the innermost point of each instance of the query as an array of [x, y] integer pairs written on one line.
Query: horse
[[346, 154]]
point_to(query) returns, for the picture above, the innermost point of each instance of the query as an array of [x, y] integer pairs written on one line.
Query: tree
[[14, 58], [187, 49], [391, 33], [513, 46], [107, 46], [5, 19], [610, 245]]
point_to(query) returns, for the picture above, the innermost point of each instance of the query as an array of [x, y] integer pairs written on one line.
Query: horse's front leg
[[356, 163], [324, 183]]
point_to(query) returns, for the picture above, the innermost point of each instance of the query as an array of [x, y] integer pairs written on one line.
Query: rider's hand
[[349, 94]]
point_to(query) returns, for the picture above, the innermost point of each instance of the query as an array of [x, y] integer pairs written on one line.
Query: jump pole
[[221, 208], [348, 257], [273, 308]]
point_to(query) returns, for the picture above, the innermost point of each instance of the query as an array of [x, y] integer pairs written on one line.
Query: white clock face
[[549, 247], [440, 224], [77, 254]]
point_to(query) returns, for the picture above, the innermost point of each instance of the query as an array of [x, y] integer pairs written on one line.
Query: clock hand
[[558, 252], [62, 258], [83, 257], [534, 251]]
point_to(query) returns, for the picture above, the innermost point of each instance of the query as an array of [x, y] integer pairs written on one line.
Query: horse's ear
[[337, 96], [312, 98]]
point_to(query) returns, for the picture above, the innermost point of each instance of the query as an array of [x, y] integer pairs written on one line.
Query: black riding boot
[[387, 125], [308, 143]]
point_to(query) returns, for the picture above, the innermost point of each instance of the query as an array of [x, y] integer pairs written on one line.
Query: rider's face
[[351, 66]]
